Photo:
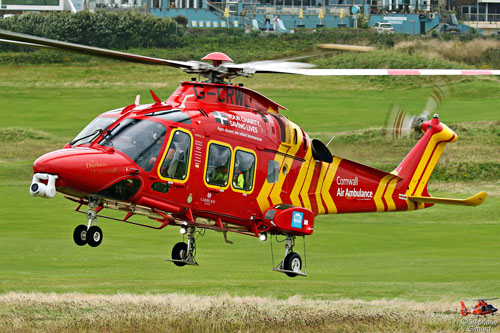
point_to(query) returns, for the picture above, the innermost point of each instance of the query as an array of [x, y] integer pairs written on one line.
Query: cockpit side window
[[175, 163], [218, 165], [139, 139]]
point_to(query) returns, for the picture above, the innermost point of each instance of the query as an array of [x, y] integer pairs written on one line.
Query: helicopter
[[219, 156], [481, 309]]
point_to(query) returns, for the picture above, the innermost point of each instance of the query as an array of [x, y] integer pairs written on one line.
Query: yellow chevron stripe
[[380, 191], [263, 194], [288, 161], [430, 168], [421, 165], [294, 195], [262, 198], [304, 194], [324, 167], [327, 184], [388, 194], [278, 186]]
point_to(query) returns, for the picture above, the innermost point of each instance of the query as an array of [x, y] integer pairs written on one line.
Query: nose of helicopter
[[59, 162], [82, 171]]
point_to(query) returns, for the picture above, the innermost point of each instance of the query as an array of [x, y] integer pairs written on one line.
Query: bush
[[115, 30], [181, 20]]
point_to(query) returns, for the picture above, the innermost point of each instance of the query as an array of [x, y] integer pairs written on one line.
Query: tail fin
[[463, 311], [418, 165]]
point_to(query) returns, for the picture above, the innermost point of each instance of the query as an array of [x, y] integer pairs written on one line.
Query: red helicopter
[[219, 156], [481, 309]]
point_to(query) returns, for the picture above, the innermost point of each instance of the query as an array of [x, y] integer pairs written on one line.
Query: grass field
[[174, 312], [443, 253]]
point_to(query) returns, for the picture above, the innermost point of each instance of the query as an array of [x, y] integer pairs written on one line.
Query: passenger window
[[244, 167], [273, 169], [219, 159], [176, 162]]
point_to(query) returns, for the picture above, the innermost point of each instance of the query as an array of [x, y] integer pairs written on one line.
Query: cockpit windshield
[[139, 139], [92, 130]]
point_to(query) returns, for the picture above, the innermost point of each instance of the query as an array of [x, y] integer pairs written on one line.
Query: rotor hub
[[217, 58]]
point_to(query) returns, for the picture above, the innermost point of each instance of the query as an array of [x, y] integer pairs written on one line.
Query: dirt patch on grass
[[174, 312]]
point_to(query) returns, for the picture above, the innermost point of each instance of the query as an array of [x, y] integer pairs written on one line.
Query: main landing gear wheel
[[80, 235], [292, 262], [179, 252], [291, 265], [94, 236]]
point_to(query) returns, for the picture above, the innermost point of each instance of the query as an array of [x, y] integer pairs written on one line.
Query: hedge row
[[115, 30]]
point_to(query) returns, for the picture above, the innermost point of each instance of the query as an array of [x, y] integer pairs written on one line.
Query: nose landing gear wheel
[[292, 262], [179, 252], [182, 253], [94, 236], [80, 235]]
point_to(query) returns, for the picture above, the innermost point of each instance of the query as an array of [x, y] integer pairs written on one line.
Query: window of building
[[470, 13], [273, 169], [31, 2], [244, 170], [219, 159], [176, 161]]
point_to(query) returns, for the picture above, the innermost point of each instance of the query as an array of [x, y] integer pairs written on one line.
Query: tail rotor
[[400, 124]]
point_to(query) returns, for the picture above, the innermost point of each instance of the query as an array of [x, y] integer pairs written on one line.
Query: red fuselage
[[223, 153]]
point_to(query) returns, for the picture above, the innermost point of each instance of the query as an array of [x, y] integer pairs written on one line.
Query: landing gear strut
[[89, 234], [291, 265], [182, 253]]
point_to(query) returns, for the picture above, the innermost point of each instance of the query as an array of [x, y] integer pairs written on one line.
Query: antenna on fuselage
[[333, 137]]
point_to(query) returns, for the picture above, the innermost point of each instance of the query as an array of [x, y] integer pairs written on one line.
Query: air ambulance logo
[[297, 220]]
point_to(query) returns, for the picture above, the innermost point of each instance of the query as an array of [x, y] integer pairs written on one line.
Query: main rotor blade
[[12, 42], [264, 65], [380, 72], [34, 41]]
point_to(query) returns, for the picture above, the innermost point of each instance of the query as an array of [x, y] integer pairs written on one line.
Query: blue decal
[[297, 218]]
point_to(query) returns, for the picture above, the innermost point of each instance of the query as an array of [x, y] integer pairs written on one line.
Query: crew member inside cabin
[[221, 174], [244, 168], [219, 159], [154, 150], [239, 180]]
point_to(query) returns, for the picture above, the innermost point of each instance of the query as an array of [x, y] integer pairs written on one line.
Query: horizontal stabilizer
[[475, 200]]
